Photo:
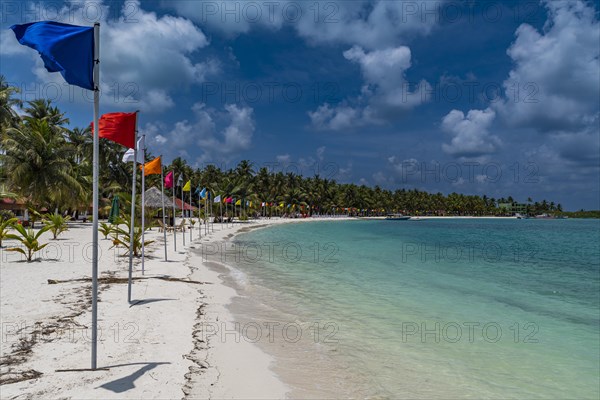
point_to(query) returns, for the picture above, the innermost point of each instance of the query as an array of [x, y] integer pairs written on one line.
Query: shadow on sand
[[128, 382]]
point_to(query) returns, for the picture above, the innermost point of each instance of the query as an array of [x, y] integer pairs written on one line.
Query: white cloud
[[385, 92], [471, 137], [219, 135], [371, 24], [341, 117], [284, 159], [144, 58], [321, 153], [554, 83]]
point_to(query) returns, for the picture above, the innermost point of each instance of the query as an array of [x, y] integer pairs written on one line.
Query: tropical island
[[47, 166]]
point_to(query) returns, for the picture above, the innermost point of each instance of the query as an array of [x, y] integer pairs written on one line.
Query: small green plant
[[56, 224], [5, 225], [33, 216], [192, 222], [29, 240], [105, 229], [125, 238]]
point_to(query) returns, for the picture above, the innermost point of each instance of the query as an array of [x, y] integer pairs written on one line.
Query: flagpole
[[182, 214], [191, 215], [132, 227], [162, 191], [174, 216], [95, 174], [221, 212], [143, 198], [199, 217]]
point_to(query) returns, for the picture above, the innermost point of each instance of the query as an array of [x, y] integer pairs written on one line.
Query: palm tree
[[37, 157], [8, 117]]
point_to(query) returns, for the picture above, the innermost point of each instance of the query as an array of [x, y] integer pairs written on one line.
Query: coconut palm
[[37, 157]]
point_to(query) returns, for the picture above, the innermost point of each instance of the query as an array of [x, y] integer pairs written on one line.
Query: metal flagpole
[[162, 191], [95, 163], [143, 198], [132, 227], [191, 215], [183, 215], [221, 212], [205, 215], [180, 183], [199, 216], [174, 215]]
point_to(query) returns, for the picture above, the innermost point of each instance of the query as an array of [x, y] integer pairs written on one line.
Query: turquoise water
[[434, 308]]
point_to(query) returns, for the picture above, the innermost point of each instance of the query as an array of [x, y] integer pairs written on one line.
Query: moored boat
[[397, 217]]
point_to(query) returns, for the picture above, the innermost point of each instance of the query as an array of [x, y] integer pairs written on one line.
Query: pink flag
[[169, 180], [229, 200]]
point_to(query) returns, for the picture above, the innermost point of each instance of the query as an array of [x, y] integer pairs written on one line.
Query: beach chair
[[162, 227], [181, 226]]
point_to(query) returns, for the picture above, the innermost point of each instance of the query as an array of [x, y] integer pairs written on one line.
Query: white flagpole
[[132, 227], [183, 213], [205, 215], [174, 215], [143, 199], [199, 217], [95, 161], [221, 212], [162, 191], [191, 215]]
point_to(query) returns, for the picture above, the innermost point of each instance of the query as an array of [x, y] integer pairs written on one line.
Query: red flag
[[169, 180], [118, 127]]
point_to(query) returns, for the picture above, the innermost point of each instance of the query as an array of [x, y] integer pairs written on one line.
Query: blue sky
[[473, 97]]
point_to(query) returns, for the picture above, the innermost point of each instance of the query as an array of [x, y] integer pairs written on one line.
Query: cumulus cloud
[[342, 117], [371, 24], [218, 134], [471, 137], [133, 73], [385, 91], [554, 83]]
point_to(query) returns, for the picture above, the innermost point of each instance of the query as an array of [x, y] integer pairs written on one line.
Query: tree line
[[50, 166]]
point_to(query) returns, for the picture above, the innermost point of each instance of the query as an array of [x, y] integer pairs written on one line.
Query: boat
[[416, 219], [545, 216], [397, 217]]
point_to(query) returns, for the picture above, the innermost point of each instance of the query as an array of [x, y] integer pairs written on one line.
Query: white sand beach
[[157, 347]]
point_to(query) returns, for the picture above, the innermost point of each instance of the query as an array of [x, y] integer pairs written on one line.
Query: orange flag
[[153, 167]]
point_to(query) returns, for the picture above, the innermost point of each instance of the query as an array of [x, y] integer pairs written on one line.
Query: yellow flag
[[153, 167], [187, 187], [238, 203]]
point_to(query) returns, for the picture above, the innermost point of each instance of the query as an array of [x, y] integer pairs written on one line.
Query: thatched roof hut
[[154, 199]]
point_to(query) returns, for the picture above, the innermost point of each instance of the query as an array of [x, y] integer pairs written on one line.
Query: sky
[[474, 97]]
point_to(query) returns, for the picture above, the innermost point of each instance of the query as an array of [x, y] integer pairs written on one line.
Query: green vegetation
[[105, 229], [124, 238], [5, 225], [51, 167], [28, 239], [56, 224], [581, 214]]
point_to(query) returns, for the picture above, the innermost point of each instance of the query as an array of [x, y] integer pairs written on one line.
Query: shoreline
[[151, 348]]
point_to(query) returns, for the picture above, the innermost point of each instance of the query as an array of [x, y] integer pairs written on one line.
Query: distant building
[[17, 206], [513, 208]]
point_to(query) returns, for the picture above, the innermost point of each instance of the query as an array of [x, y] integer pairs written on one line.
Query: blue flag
[[68, 49], [203, 193]]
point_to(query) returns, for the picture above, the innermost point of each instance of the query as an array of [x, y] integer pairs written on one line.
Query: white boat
[[397, 217]]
